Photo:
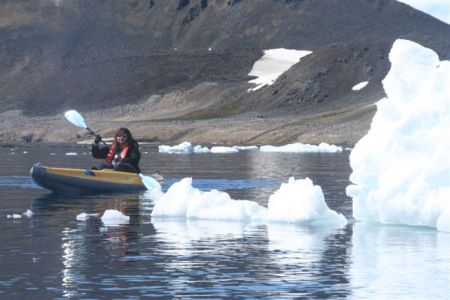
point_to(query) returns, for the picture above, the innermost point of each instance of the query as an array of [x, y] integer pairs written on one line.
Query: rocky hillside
[[178, 69]]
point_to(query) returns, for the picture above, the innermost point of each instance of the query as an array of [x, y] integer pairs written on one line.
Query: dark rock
[[183, 3], [27, 138]]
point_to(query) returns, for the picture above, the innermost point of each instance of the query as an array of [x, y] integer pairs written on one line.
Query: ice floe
[[299, 147], [295, 202], [186, 147]]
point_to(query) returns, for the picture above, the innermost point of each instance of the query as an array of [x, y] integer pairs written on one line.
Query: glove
[[97, 140]]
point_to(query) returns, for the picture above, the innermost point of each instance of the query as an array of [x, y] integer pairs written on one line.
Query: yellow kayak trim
[[109, 176]]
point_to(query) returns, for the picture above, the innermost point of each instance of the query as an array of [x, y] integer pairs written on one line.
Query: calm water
[[52, 255]]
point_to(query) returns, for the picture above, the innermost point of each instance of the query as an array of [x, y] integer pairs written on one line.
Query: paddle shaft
[[93, 133], [90, 131]]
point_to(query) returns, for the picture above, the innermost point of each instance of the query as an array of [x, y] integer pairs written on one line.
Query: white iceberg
[[401, 168]]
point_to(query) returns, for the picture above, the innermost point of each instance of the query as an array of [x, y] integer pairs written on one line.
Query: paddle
[[77, 119]]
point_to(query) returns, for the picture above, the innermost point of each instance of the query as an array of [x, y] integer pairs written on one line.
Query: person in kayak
[[123, 155]]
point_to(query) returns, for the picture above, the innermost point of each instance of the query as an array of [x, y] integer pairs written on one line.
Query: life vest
[[112, 152]]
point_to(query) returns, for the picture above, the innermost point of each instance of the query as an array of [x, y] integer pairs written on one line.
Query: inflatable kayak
[[67, 180]]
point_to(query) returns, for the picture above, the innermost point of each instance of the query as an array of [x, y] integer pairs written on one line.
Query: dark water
[[51, 255]]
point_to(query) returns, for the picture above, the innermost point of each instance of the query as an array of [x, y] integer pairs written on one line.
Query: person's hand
[[97, 140]]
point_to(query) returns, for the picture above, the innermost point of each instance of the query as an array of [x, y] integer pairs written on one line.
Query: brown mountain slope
[[147, 63]]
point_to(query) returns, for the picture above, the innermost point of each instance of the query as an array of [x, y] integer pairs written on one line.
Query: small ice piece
[[184, 147], [299, 147], [222, 149], [14, 216], [245, 148], [71, 154], [28, 213], [200, 149], [85, 216], [112, 217]]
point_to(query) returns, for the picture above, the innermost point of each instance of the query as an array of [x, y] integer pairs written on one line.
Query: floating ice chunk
[[401, 168], [113, 217], [184, 147], [14, 216], [297, 201], [28, 213], [300, 201], [274, 63], [245, 148], [222, 149], [85, 216], [182, 200], [200, 149], [360, 86], [71, 154], [299, 147]]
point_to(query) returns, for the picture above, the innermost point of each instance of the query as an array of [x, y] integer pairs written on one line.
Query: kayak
[[68, 180]]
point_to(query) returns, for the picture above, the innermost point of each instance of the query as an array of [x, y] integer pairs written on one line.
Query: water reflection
[[74, 259], [71, 205], [385, 262], [86, 247], [279, 258]]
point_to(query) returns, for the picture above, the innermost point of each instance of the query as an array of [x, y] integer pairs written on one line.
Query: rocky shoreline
[[340, 128]]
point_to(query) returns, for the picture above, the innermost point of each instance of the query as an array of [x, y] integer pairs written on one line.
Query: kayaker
[[123, 155]]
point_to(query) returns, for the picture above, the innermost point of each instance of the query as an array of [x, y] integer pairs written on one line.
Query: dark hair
[[130, 140]]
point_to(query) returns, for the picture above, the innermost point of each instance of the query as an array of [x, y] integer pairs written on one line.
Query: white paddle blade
[[149, 182], [75, 118]]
